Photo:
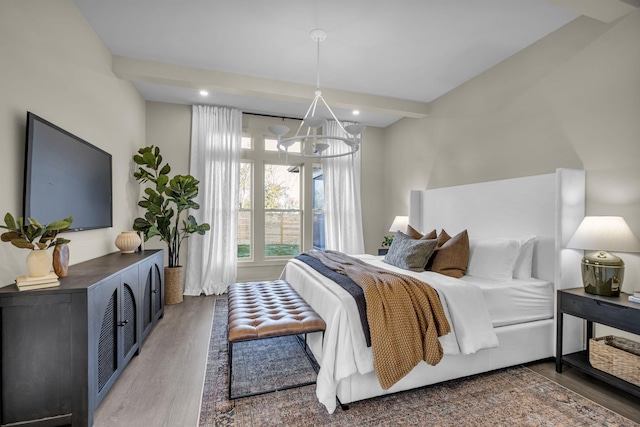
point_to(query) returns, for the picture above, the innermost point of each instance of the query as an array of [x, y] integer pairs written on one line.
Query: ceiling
[[388, 59]]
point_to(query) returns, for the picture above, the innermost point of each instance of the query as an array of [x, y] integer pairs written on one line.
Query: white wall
[[53, 64], [168, 126], [571, 100]]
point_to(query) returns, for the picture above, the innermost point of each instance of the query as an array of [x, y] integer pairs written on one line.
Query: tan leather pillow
[[451, 255], [415, 234]]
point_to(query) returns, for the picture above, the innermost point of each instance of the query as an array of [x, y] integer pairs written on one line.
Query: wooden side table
[[616, 312]]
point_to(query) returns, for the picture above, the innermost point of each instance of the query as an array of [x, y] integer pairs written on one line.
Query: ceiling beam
[[137, 70], [602, 10]]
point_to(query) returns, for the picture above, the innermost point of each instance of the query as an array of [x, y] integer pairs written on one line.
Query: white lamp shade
[[320, 146], [399, 224], [355, 129], [286, 143], [278, 130], [315, 122], [604, 233]]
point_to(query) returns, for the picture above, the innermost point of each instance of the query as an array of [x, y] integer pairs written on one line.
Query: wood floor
[[163, 385]]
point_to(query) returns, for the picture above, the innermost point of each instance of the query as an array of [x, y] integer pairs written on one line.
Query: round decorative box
[[128, 241]]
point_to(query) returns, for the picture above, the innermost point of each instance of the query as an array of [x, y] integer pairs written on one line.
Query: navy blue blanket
[[348, 285]]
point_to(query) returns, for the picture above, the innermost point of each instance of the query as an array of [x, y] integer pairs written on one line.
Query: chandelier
[[313, 143]]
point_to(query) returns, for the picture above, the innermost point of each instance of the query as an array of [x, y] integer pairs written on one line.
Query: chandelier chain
[[318, 142]]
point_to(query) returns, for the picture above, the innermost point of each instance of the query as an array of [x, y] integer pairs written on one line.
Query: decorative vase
[[128, 241], [39, 262], [173, 285], [61, 260]]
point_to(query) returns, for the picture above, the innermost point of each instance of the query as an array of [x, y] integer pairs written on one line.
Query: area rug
[[509, 397]]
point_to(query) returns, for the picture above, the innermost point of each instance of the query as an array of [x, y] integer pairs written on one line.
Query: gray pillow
[[409, 254]]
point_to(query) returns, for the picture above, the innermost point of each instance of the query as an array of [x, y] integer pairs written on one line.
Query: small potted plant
[[164, 202], [30, 234]]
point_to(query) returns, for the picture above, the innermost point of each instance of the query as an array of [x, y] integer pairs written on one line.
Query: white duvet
[[344, 351]]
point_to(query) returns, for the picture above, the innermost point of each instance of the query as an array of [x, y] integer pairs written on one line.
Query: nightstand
[[616, 312], [382, 251]]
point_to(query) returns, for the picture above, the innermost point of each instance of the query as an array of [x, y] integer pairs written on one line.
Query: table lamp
[[602, 272], [399, 224]]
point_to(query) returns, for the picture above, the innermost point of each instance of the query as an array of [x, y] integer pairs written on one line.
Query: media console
[[63, 348]]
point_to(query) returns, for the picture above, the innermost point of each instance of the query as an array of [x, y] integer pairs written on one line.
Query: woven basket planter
[[616, 356], [173, 285]]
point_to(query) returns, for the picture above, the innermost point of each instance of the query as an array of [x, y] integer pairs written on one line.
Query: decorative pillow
[[452, 254], [409, 254], [493, 259], [524, 262], [443, 238], [415, 234]]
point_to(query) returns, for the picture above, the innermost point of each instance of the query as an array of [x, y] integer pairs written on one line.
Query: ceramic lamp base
[[602, 275]]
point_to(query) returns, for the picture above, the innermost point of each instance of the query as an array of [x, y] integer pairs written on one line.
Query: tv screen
[[65, 175]]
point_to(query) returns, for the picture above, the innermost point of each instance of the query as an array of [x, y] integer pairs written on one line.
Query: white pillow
[[493, 259], [524, 262]]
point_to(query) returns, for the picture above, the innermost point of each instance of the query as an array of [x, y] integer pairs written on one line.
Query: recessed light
[[355, 112], [204, 92]]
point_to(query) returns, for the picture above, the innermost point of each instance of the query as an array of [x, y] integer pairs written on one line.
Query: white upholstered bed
[[521, 311]]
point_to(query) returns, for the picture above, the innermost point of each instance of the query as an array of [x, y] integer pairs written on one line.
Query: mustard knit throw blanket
[[405, 316]]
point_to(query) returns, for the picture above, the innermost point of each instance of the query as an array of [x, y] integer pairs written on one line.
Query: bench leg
[[230, 356], [304, 349]]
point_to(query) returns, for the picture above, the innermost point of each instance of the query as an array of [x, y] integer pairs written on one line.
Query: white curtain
[[343, 212], [216, 137]]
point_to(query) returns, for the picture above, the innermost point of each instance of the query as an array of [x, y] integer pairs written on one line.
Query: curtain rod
[[274, 116]]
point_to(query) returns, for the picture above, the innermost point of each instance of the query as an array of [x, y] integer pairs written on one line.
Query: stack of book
[[27, 283], [635, 297]]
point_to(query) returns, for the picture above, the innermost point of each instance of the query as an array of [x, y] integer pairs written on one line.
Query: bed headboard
[[548, 206]]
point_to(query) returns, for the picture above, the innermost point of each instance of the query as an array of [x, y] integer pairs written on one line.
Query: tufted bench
[[259, 310]]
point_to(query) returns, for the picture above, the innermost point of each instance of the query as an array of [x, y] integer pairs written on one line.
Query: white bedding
[[344, 351], [515, 301]]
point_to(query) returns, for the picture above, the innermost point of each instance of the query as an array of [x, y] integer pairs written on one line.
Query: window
[[318, 208], [247, 143], [281, 210], [245, 213], [282, 213]]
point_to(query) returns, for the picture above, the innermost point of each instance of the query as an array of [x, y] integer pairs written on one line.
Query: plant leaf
[[34, 222], [149, 159], [9, 236], [22, 243], [9, 221], [57, 225]]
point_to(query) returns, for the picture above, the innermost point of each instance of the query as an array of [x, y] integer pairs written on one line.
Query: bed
[[544, 209]]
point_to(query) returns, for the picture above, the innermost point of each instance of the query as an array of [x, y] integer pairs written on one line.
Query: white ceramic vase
[[128, 241], [39, 262]]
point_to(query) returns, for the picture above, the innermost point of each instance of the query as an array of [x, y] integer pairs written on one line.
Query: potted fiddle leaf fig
[[165, 201], [30, 234]]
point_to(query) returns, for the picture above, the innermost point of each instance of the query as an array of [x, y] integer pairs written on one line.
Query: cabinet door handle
[[155, 291], [124, 322], [609, 305]]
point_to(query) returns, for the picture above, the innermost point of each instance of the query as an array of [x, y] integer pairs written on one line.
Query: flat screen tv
[[65, 175]]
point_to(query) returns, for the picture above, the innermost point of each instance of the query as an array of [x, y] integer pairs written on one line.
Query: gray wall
[[53, 64]]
